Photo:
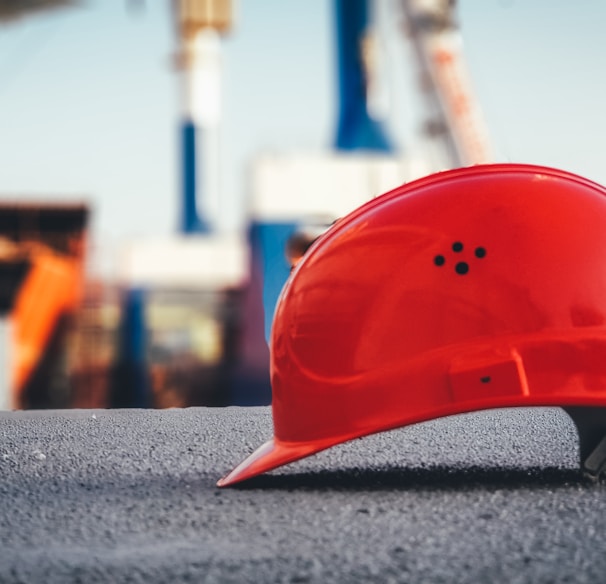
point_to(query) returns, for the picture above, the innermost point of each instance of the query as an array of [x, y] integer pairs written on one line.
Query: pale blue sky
[[89, 103]]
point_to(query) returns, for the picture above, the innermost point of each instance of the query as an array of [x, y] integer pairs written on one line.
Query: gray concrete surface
[[130, 496]]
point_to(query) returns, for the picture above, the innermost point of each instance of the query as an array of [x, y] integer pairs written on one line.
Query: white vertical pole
[[204, 106], [200, 24]]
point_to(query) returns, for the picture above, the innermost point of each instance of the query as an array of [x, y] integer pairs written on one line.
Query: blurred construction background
[[164, 165]]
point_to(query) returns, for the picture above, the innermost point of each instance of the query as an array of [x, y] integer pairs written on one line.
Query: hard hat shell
[[474, 288]]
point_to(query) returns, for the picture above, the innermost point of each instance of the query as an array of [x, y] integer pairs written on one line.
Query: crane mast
[[453, 118]]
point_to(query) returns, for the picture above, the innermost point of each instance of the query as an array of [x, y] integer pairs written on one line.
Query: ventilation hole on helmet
[[457, 246], [480, 252], [485, 379], [462, 268], [439, 260]]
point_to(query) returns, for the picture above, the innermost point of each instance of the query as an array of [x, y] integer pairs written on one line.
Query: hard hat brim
[[271, 455]]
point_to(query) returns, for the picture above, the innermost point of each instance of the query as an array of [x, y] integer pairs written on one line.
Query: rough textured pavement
[[130, 496]]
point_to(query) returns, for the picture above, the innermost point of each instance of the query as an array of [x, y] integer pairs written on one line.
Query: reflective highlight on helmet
[[475, 288]]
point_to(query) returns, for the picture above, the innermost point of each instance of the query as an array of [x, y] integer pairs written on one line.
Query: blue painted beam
[[356, 129], [190, 220]]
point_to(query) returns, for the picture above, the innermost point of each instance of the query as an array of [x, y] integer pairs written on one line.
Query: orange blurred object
[[44, 245], [52, 288]]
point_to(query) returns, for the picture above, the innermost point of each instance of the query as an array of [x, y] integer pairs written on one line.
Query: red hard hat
[[475, 288]]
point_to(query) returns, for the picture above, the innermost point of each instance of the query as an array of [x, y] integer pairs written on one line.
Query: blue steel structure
[[190, 220], [130, 384], [268, 241], [357, 131]]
